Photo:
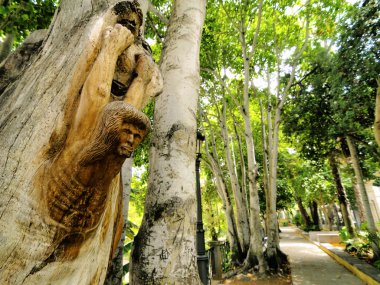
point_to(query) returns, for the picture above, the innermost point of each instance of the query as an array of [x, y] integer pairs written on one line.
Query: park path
[[310, 265]]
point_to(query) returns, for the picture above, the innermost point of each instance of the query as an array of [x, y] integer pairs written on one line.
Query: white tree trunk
[[164, 249], [34, 115], [359, 179], [213, 162], [363, 192], [242, 222], [227, 206]]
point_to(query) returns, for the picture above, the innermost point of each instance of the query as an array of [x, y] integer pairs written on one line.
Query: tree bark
[[228, 210], [242, 222], [341, 194], [376, 127], [221, 187], [359, 201], [363, 192], [360, 183], [6, 46], [255, 253], [314, 213], [40, 110], [304, 214], [164, 248]]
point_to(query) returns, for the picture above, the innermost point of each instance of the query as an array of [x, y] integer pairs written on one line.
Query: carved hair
[[105, 138]]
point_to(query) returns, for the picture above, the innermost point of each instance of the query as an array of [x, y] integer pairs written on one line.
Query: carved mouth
[[125, 150]]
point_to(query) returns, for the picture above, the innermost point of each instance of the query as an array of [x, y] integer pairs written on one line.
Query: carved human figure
[[74, 181]]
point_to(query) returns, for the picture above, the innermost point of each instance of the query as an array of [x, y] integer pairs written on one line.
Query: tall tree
[[164, 249], [213, 161], [274, 254], [307, 117], [60, 155]]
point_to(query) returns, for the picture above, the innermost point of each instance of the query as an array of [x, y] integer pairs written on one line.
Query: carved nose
[[130, 138]]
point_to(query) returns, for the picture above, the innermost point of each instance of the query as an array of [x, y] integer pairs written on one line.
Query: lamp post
[[202, 258]]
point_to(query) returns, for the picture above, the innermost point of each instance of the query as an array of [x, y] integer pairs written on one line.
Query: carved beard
[[105, 139]]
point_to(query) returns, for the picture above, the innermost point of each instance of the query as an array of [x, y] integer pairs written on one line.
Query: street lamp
[[202, 258]]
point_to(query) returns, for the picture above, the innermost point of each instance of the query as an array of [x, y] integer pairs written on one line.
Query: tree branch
[[153, 9]]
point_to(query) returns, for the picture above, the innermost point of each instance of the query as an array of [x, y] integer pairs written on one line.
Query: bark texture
[[363, 192], [304, 214], [212, 159], [242, 221], [376, 126], [164, 249], [60, 162]]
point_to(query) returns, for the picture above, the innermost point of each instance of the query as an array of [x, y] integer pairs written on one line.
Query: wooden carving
[[104, 130]]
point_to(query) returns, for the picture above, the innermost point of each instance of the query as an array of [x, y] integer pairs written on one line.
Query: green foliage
[[310, 228], [131, 229], [376, 182], [359, 245], [137, 195], [344, 234], [357, 66], [377, 264], [297, 219], [22, 17], [127, 248]]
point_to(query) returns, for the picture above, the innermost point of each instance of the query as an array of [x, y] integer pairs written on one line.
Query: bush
[[359, 245], [310, 228], [377, 264], [297, 219], [344, 234]]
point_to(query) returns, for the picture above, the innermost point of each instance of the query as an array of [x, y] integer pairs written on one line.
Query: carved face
[[130, 137]]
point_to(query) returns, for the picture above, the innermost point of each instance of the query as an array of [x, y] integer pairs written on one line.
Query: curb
[[361, 269]]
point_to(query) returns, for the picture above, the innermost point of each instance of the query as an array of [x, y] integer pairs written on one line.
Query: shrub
[[344, 234]]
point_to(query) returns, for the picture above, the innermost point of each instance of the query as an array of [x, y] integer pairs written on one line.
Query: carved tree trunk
[[164, 249], [59, 216]]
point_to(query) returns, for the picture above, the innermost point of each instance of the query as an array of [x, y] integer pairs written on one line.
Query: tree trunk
[[6, 46], [221, 187], [228, 210], [59, 174], [115, 270], [376, 127], [363, 192], [359, 201], [304, 214], [255, 254], [242, 222], [329, 221], [245, 192], [341, 194], [314, 213], [164, 248]]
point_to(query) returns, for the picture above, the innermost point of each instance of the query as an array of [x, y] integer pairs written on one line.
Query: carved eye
[[130, 24], [137, 136]]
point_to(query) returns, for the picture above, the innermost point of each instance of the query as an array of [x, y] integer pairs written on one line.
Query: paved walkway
[[312, 266]]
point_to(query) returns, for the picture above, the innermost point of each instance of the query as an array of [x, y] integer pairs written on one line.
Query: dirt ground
[[250, 279]]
